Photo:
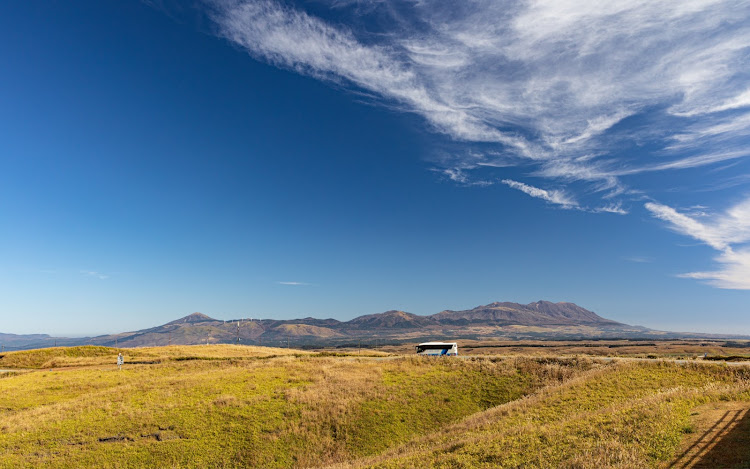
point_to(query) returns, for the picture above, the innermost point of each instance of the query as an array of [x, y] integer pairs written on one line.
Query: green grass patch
[[236, 407], [282, 412], [41, 358], [628, 415]]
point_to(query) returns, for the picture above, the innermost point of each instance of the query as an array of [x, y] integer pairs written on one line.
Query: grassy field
[[236, 406], [630, 415], [679, 349], [65, 357]]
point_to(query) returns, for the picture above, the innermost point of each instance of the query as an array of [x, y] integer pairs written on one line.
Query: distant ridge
[[540, 313], [537, 320], [391, 320]]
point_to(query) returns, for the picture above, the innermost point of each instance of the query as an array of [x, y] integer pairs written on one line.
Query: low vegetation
[[92, 355], [235, 406], [627, 415], [684, 349]]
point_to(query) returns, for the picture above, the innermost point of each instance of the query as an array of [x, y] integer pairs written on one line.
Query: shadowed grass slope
[[628, 415]]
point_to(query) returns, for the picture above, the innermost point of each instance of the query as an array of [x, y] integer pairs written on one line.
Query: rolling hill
[[227, 406]]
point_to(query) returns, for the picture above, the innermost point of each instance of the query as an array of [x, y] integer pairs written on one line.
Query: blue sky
[[337, 158]]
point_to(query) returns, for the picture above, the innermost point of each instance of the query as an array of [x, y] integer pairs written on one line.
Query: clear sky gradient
[[274, 159]]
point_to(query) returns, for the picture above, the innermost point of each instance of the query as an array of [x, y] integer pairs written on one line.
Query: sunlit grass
[[630, 415], [237, 406], [295, 410], [91, 355]]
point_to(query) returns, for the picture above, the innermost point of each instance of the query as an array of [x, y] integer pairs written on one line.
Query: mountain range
[[538, 320]]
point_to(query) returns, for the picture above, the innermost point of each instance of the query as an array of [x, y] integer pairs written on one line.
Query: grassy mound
[[293, 411], [46, 357], [90, 355], [235, 406], [629, 415]]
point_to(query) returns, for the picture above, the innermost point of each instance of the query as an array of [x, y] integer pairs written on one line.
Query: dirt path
[[719, 440]]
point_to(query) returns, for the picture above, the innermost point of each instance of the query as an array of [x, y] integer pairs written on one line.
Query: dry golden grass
[[238, 406], [298, 410], [627, 415], [63, 357], [684, 349]]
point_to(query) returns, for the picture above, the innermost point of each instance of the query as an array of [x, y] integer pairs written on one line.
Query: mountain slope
[[391, 320], [510, 320], [538, 320], [192, 319], [540, 313]]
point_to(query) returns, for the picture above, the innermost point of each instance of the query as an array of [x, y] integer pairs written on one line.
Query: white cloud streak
[[719, 232], [639, 259], [293, 39], [563, 200], [722, 233], [296, 284], [546, 80], [94, 274], [611, 208], [549, 85], [735, 272], [742, 100], [554, 196]]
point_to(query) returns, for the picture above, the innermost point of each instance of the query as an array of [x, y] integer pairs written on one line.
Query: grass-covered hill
[[236, 406]]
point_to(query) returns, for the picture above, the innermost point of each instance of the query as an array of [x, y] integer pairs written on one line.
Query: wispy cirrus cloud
[[554, 196], [616, 208], [734, 274], [94, 274], [556, 88], [563, 200], [719, 232], [638, 259], [544, 80], [722, 232], [294, 284]]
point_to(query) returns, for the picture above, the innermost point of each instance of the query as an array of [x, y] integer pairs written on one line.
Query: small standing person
[[120, 361]]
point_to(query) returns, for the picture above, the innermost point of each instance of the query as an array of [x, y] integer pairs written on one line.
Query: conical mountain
[[191, 319]]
